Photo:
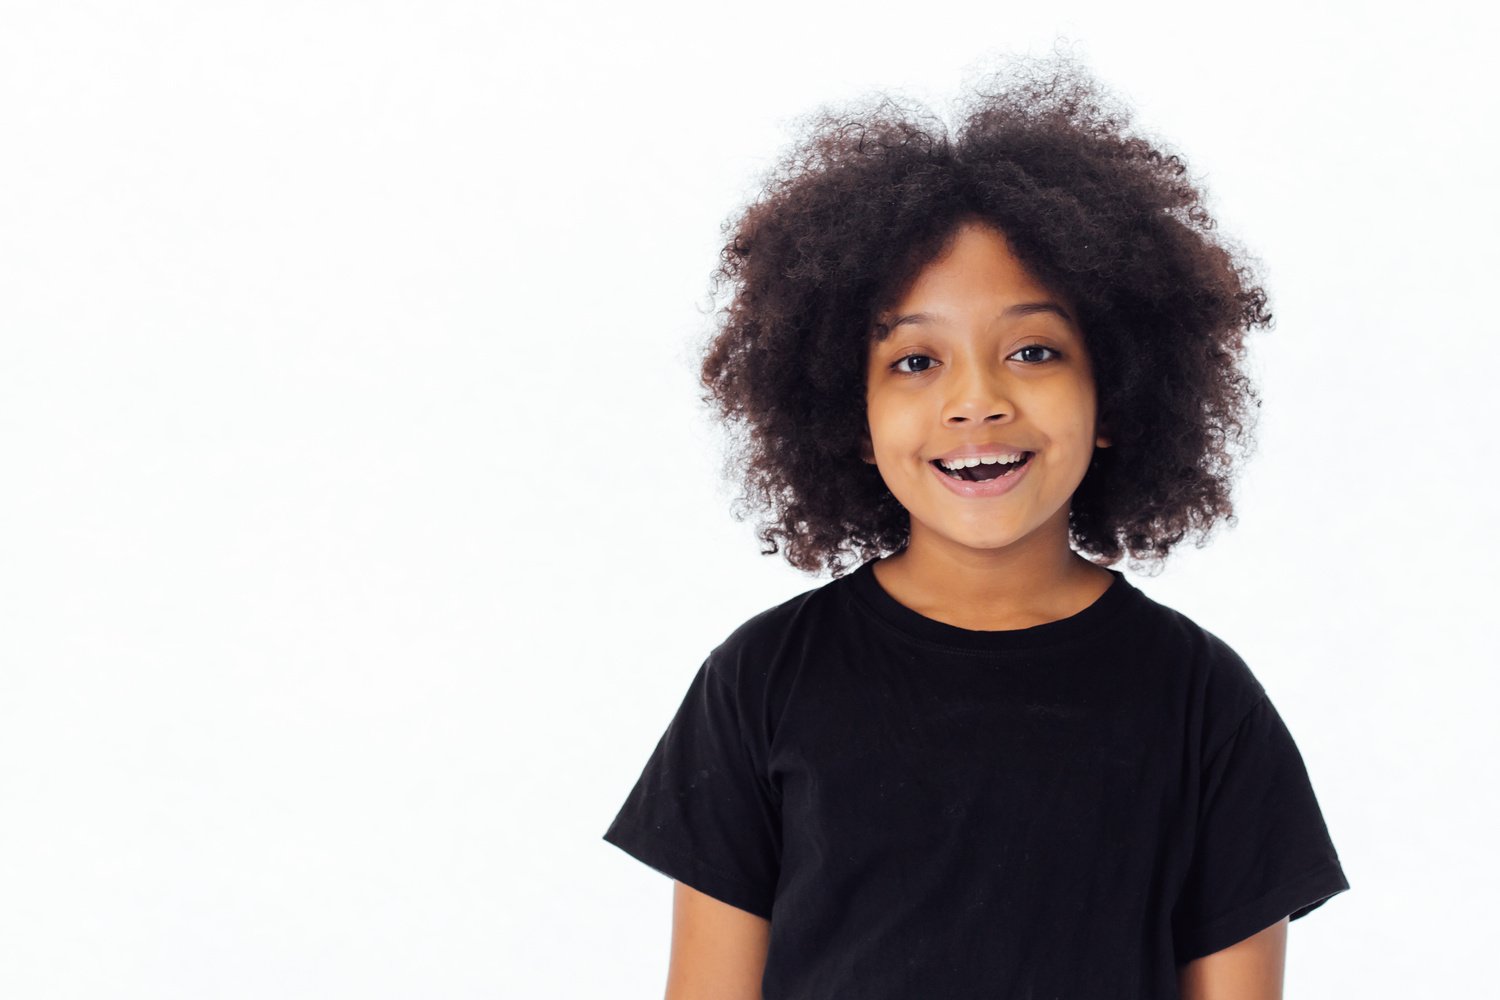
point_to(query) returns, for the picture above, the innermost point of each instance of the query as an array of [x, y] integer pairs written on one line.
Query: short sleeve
[[1262, 850], [703, 811]]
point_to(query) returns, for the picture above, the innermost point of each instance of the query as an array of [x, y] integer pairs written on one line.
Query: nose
[[978, 393]]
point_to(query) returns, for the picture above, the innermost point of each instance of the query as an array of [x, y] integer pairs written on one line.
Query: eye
[[1038, 347], [895, 365]]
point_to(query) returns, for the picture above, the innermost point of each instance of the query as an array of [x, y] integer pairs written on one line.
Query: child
[[984, 764]]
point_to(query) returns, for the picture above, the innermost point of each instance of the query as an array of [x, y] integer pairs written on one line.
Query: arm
[[718, 950], [1252, 969]]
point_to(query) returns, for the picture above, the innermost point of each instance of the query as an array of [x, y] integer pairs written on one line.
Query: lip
[[988, 488]]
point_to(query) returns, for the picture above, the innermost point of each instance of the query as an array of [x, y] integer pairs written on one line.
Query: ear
[[866, 449]]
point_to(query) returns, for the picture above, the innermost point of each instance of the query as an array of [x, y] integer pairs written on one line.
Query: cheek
[[1076, 415], [893, 428]]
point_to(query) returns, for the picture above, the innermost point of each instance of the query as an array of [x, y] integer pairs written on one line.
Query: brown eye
[[894, 367], [1038, 347]]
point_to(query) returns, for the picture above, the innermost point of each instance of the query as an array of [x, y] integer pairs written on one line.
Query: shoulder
[[761, 659], [772, 635], [1219, 685]]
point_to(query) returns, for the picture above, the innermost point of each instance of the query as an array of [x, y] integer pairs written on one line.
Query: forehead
[[894, 319], [977, 278]]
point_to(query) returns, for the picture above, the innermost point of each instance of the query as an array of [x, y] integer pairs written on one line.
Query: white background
[[361, 528]]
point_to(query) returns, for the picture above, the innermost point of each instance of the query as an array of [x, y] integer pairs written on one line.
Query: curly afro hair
[[869, 196]]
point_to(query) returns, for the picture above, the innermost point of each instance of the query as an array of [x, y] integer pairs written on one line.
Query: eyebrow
[[1019, 309]]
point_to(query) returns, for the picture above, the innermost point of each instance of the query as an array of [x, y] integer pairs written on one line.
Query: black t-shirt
[[1071, 810]]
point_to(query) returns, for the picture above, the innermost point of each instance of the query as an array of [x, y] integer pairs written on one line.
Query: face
[[980, 354]]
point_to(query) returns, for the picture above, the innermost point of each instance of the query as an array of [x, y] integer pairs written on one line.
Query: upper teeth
[[969, 463]]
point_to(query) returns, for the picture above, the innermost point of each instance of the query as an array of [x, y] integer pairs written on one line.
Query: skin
[[981, 376], [1252, 969], [718, 951], [987, 564]]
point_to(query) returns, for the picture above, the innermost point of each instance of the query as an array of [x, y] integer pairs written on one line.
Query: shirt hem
[[1294, 899], [677, 864]]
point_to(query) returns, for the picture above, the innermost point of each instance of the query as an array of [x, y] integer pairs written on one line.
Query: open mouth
[[980, 473]]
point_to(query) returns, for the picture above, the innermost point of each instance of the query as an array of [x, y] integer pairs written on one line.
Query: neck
[[1037, 580]]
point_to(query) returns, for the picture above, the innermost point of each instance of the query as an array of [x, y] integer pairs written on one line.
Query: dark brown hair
[[870, 194]]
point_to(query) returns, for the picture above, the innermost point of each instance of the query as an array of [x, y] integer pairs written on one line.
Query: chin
[[992, 545], [980, 539]]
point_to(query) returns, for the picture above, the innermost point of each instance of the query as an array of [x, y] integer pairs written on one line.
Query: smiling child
[[985, 368]]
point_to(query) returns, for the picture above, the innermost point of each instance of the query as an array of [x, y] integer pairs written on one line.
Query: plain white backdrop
[[361, 528]]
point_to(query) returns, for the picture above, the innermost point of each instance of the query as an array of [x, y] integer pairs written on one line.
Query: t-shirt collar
[[873, 598]]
